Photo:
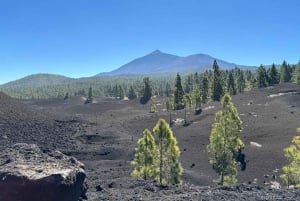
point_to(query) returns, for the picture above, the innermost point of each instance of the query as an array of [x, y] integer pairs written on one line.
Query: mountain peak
[[156, 52], [160, 62]]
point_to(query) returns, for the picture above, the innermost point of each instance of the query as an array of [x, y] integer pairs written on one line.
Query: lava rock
[[28, 174]]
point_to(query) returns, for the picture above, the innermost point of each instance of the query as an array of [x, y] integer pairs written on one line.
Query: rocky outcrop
[[29, 174]]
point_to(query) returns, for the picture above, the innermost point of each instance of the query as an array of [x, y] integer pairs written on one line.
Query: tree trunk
[[222, 178], [161, 160], [184, 114]]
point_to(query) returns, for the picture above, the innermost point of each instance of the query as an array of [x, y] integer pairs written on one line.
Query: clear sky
[[79, 38]]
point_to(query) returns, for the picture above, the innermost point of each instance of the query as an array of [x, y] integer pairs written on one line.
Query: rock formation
[[29, 174]]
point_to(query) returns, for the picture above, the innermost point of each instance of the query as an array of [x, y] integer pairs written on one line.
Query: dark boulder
[[28, 174]]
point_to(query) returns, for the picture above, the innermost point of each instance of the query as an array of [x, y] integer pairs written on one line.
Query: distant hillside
[[39, 80], [159, 62]]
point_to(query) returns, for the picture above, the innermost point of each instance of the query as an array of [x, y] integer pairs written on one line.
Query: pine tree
[[188, 84], [178, 93], [147, 91], [217, 89], [204, 90], [152, 106], [261, 77], [225, 144], [297, 73], [274, 77], [145, 160], [230, 84], [66, 96], [291, 172], [131, 93], [241, 81], [285, 73], [168, 90], [90, 96], [169, 166], [121, 94], [196, 79], [170, 107], [187, 100], [196, 97]]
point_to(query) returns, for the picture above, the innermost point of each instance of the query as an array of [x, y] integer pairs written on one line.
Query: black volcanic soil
[[103, 136]]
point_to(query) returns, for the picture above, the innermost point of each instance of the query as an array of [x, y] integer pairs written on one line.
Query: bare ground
[[103, 136]]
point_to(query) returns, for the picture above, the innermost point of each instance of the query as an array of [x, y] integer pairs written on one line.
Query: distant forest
[[237, 80]]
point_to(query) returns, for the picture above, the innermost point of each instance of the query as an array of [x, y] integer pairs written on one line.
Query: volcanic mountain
[[160, 62]]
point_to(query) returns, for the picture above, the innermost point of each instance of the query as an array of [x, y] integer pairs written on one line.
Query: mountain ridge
[[161, 62], [154, 63]]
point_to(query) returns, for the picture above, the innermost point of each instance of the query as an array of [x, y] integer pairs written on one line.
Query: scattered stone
[[99, 188], [255, 144]]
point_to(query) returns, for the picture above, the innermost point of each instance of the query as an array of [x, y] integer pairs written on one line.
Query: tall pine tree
[[273, 75], [147, 91], [204, 90], [225, 144], [170, 168], [231, 84], [261, 77], [217, 89], [297, 73], [241, 84], [90, 96], [285, 72], [131, 93], [178, 93]]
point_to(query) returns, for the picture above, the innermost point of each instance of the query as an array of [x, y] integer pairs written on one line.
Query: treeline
[[234, 81]]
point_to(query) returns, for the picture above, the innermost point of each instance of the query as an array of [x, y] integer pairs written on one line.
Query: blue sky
[[79, 38]]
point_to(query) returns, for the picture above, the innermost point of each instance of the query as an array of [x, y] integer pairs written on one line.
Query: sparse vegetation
[[158, 158]]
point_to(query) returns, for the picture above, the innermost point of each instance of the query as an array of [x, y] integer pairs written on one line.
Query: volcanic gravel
[[103, 136]]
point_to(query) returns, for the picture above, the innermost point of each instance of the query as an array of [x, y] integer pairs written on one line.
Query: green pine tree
[[145, 160], [90, 96], [196, 97], [225, 143], [297, 73], [217, 89], [291, 172], [241, 84], [204, 90], [147, 91], [231, 84], [152, 106], [170, 107], [187, 100], [273, 75], [285, 72], [261, 77], [131, 93], [178, 93], [170, 168]]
